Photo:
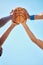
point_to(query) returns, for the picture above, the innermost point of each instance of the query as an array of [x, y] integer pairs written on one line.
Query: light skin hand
[[38, 42]]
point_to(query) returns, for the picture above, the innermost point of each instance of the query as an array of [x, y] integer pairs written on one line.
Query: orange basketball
[[19, 15]]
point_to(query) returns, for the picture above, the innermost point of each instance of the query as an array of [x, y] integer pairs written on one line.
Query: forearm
[[4, 20], [36, 17], [32, 36], [5, 35]]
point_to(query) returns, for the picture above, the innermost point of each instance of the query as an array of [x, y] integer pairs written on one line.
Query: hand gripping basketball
[[19, 15]]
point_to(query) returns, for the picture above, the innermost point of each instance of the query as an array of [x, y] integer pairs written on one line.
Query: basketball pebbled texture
[[19, 15]]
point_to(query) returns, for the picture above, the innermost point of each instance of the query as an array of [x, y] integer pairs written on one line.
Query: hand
[[19, 15], [14, 24]]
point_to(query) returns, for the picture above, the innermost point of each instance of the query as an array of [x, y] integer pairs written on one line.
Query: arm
[[4, 20], [32, 36], [36, 17], [5, 35]]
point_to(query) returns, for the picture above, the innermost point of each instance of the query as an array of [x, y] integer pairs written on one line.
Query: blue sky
[[18, 49]]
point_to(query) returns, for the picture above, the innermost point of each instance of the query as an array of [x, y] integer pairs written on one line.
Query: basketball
[[19, 15]]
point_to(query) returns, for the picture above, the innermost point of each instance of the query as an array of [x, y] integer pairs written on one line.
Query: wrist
[[32, 17]]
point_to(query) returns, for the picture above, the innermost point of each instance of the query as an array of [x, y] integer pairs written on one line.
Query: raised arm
[[36, 17], [5, 35], [32, 36], [4, 20]]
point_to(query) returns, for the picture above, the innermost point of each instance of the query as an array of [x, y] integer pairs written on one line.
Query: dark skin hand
[[4, 20], [5, 35]]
